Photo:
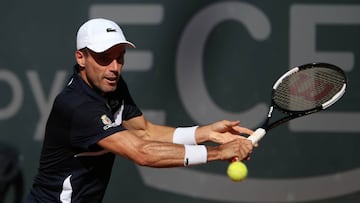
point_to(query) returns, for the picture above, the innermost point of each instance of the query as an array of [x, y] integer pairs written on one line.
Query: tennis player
[[95, 118]]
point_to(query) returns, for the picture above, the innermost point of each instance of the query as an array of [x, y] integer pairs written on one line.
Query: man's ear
[[80, 58]]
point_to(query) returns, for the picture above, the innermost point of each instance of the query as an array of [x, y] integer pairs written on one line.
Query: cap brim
[[98, 48]]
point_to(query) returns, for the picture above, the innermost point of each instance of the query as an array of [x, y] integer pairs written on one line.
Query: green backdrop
[[197, 62]]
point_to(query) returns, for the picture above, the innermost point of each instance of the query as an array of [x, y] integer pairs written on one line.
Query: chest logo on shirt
[[107, 122]]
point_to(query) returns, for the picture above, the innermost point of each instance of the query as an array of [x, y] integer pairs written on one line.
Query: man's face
[[101, 71]]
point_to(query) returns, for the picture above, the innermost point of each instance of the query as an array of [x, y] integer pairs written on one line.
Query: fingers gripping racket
[[301, 91]]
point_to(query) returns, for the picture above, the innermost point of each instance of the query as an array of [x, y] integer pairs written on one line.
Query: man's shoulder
[[71, 96]]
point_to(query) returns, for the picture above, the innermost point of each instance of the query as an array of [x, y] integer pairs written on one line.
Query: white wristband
[[185, 135], [195, 154]]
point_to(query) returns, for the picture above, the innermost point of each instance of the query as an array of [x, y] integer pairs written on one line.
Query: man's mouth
[[111, 80]]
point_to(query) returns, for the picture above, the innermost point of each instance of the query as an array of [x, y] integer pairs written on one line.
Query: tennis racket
[[301, 91]]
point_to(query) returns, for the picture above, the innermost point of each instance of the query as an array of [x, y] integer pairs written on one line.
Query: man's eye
[[104, 60], [120, 60]]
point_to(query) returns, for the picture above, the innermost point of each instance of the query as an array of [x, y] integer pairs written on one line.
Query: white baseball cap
[[99, 35]]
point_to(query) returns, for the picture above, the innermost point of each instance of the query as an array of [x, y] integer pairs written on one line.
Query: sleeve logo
[[107, 122]]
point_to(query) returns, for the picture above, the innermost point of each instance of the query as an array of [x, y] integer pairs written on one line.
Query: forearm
[[181, 135], [160, 155], [183, 152], [159, 133], [146, 130], [157, 154], [144, 152]]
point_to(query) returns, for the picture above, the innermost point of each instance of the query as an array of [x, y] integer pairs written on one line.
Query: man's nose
[[114, 65]]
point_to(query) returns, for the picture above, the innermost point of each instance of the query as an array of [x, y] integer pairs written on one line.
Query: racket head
[[308, 89]]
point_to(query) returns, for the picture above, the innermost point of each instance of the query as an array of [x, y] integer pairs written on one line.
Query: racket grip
[[254, 138], [257, 135]]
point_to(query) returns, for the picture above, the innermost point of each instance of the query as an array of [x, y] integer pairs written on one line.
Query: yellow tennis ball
[[237, 171]]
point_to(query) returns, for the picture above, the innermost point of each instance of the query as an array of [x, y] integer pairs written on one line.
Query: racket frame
[[260, 132]]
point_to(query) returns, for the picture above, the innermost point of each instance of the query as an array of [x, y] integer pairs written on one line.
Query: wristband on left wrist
[[185, 135]]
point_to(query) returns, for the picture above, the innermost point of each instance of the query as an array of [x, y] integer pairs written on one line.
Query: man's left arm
[[219, 132], [147, 130]]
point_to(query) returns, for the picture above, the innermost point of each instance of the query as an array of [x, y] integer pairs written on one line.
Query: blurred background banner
[[196, 62]]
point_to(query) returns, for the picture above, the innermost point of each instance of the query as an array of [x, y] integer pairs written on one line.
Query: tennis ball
[[237, 171]]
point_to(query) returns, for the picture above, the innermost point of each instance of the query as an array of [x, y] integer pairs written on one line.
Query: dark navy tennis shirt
[[73, 168]]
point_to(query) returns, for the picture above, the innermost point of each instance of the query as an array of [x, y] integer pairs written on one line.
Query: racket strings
[[308, 88]]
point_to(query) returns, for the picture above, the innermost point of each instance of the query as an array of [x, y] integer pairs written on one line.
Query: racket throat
[[270, 112], [265, 125]]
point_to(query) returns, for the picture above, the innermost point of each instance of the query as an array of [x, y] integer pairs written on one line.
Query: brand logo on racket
[[309, 88]]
